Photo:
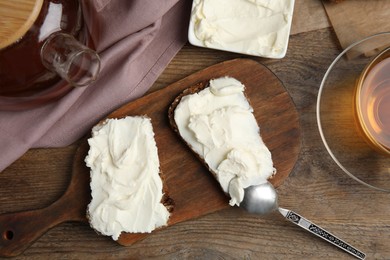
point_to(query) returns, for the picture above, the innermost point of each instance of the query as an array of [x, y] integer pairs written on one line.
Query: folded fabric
[[135, 40]]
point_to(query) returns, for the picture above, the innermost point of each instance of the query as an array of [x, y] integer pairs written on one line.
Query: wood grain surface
[[20, 229], [316, 188], [16, 18]]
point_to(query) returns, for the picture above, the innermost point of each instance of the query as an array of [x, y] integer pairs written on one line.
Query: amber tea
[[372, 103]]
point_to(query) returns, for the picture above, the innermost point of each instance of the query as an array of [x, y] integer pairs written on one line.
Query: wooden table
[[316, 188]]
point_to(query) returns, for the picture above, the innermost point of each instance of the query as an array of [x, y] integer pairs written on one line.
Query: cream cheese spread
[[254, 27], [125, 182], [219, 125]]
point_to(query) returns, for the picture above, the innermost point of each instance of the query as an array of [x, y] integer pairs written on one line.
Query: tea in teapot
[[40, 44]]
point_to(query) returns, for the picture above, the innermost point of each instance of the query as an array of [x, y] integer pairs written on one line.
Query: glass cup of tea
[[372, 102], [353, 111]]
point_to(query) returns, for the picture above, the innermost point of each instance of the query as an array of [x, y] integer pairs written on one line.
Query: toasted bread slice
[[228, 162], [128, 191]]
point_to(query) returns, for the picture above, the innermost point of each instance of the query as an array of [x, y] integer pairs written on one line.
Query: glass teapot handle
[[74, 62]]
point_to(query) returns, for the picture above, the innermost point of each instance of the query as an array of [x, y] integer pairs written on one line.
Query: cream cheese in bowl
[[253, 27]]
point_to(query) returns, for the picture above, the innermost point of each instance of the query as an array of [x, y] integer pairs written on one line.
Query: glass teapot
[[41, 45]]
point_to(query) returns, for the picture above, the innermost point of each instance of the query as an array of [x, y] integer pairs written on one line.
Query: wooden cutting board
[[193, 189], [190, 185]]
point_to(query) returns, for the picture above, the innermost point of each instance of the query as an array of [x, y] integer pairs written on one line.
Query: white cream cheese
[[219, 125], [125, 182], [254, 27]]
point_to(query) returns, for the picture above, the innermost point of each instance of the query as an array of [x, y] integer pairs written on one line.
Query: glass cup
[[353, 111], [372, 103], [73, 61]]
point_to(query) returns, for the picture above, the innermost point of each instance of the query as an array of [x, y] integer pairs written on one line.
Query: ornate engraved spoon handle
[[320, 232]]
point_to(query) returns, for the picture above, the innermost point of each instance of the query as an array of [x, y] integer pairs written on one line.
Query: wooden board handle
[[19, 230]]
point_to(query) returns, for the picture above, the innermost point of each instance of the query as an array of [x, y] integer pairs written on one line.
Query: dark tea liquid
[[21, 70], [373, 104]]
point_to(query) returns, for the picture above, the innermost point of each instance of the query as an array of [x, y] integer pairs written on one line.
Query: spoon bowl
[[260, 199]]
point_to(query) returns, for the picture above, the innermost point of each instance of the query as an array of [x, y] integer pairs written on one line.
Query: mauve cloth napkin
[[136, 40]]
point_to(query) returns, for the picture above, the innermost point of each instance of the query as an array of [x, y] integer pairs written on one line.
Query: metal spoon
[[262, 199]]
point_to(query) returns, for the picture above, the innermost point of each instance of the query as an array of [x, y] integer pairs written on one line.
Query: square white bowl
[[196, 42]]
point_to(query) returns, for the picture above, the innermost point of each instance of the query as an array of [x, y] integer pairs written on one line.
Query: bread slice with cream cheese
[[128, 193], [215, 119]]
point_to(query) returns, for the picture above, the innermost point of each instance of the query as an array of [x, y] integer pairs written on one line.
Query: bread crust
[[188, 91]]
